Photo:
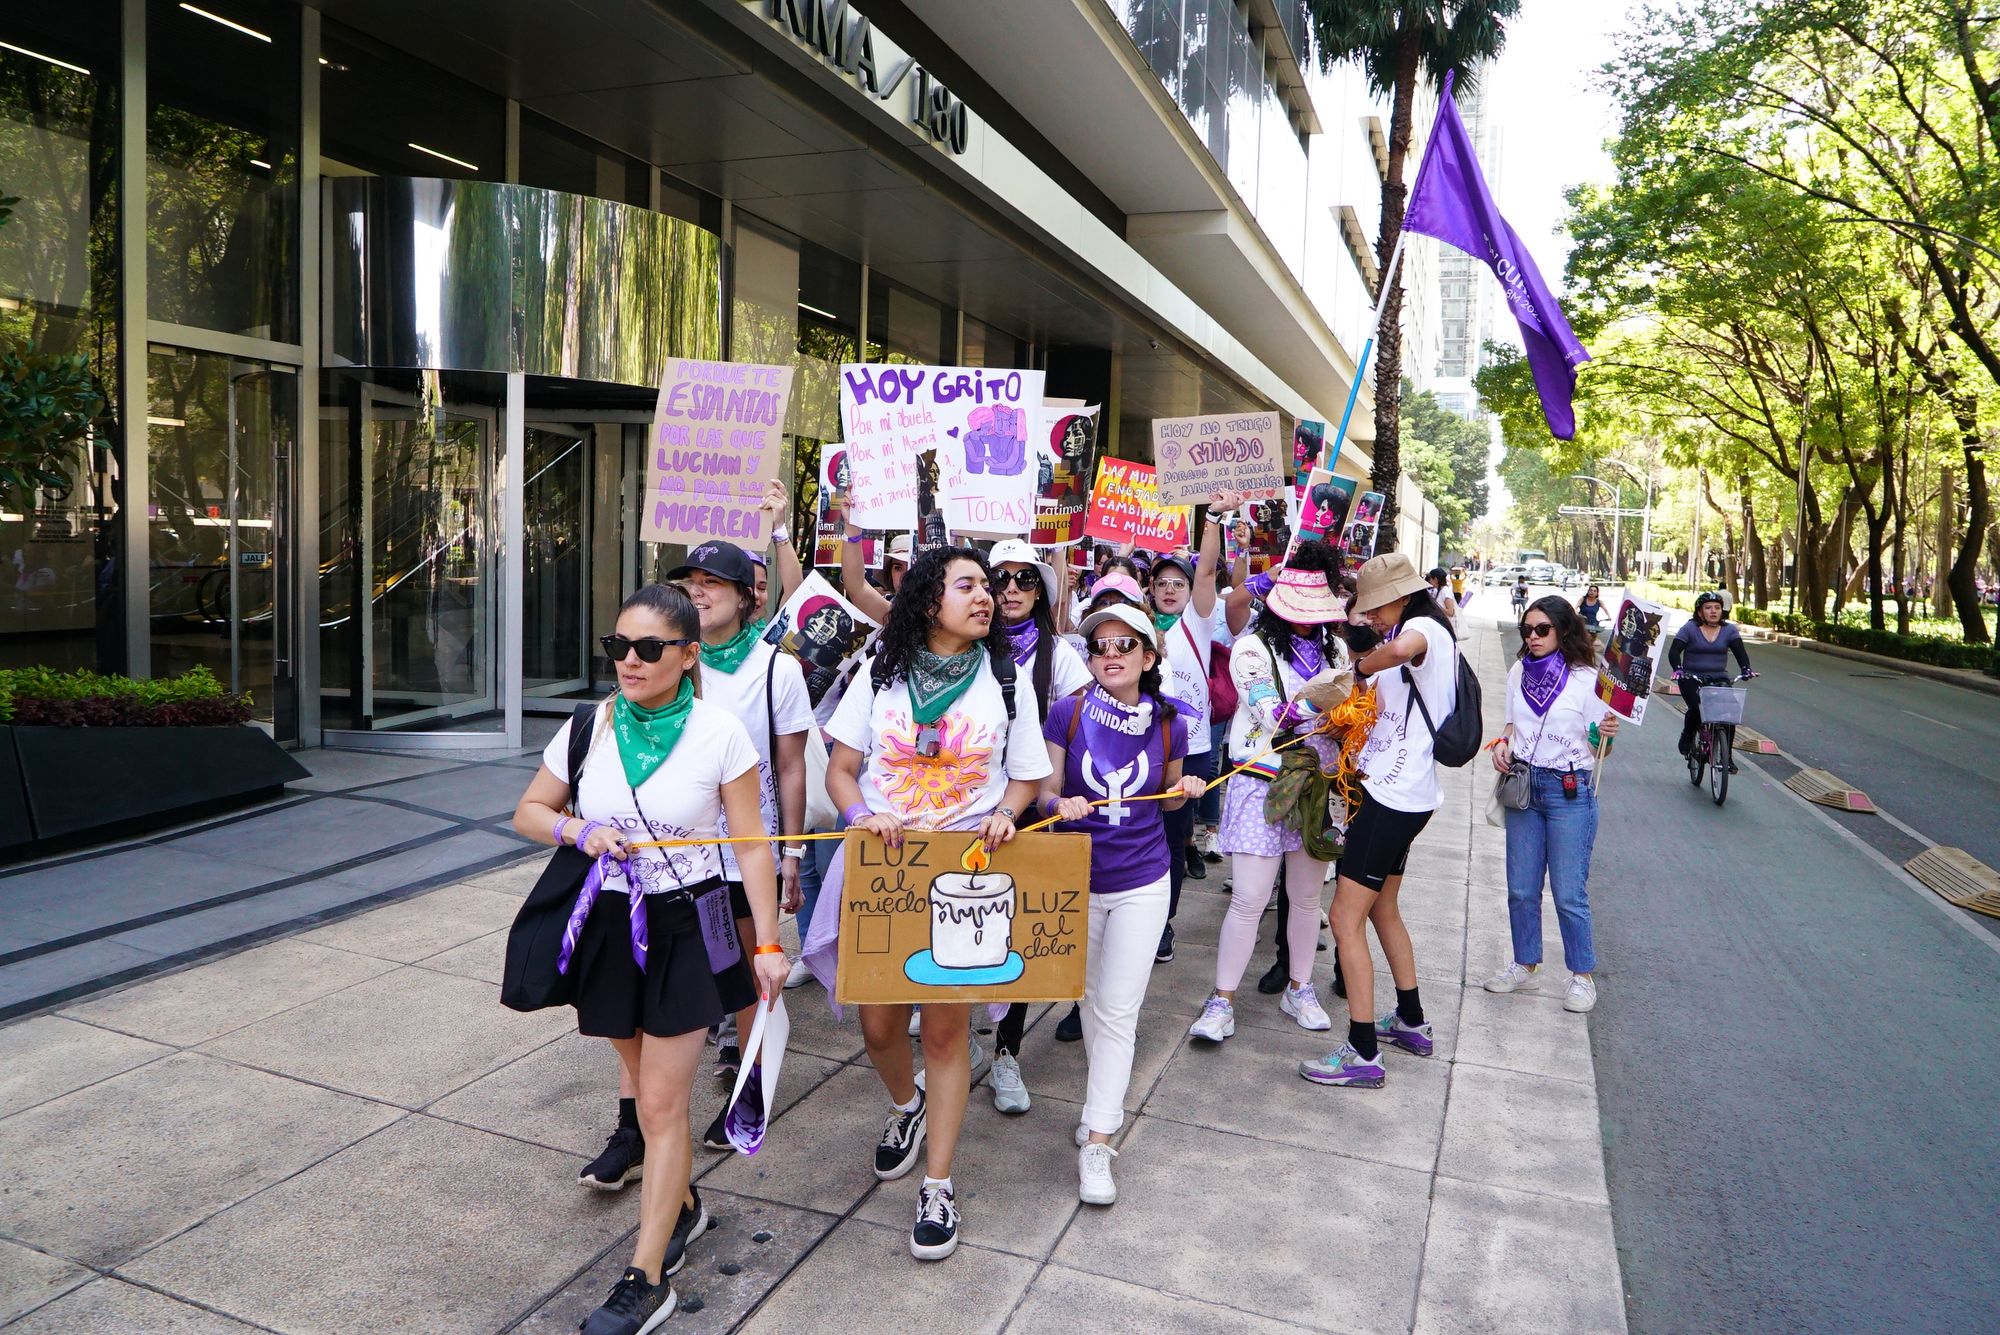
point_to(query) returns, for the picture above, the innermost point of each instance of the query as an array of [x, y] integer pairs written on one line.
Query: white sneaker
[[1512, 978], [1009, 1094], [1082, 1135], [1093, 1175], [1582, 993], [1217, 1021], [982, 1060], [916, 1022], [800, 975], [1302, 1004]]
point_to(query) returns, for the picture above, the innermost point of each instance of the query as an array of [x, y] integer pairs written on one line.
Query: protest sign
[[832, 528], [1324, 507], [989, 472], [892, 413], [942, 920], [1200, 456], [1125, 507], [1625, 677], [1308, 443], [1270, 535], [822, 630], [717, 434], [1067, 438], [1359, 539]]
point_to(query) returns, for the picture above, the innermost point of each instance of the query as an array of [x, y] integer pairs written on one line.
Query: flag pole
[[1368, 346]]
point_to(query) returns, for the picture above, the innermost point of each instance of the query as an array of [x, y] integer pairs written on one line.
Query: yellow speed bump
[[1959, 878]]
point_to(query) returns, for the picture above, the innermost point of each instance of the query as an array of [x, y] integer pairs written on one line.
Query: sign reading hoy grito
[[846, 42]]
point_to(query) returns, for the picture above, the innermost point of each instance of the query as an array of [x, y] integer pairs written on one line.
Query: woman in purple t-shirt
[[1118, 741]]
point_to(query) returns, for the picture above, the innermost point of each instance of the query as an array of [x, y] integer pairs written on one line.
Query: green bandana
[[646, 737], [729, 655], [1164, 621], [938, 680]]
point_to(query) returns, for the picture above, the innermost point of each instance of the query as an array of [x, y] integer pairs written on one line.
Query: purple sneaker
[[1345, 1066], [1416, 1038]]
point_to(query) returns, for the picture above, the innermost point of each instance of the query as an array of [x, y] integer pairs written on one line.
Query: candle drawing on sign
[[972, 927]]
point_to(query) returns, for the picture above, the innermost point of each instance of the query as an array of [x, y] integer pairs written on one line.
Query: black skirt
[[678, 993]]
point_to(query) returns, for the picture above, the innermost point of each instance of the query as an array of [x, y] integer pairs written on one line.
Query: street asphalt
[[1797, 1049]]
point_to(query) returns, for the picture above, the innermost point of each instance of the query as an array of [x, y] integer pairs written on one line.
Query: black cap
[[724, 560]]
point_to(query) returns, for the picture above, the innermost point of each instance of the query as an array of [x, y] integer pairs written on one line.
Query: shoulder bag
[[530, 980]]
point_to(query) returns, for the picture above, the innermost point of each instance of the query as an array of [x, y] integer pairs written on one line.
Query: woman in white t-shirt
[[1399, 791], [649, 943], [924, 740]]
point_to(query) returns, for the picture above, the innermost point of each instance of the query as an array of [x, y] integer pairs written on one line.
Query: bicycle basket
[[1722, 704]]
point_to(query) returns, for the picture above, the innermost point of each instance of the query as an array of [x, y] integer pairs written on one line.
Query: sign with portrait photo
[[1067, 439], [822, 630], [1625, 676], [832, 527]]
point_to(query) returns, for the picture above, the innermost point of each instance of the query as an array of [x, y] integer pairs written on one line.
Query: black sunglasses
[[1534, 630], [1117, 644], [1020, 579], [650, 648]]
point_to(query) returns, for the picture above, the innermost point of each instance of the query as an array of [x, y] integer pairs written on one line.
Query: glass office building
[[377, 295]]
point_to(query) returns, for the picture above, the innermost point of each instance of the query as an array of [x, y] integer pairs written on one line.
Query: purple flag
[[1450, 201]]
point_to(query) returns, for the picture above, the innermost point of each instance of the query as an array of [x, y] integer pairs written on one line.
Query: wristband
[[781, 534], [1047, 805], [557, 832], [855, 814], [856, 537], [792, 850], [772, 949]]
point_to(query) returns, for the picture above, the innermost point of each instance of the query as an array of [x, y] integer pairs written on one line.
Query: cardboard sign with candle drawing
[[941, 919]]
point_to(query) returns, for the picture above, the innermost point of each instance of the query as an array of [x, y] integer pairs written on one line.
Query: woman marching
[[1272, 665], [929, 737], [646, 974], [1119, 740], [1554, 723], [1026, 586], [1417, 661]]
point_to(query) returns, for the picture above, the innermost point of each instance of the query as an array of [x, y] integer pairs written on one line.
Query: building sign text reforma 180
[[846, 41]]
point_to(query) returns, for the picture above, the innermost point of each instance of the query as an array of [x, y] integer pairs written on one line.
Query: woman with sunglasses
[[1554, 721], [646, 975], [1056, 671], [1119, 740], [925, 740], [1272, 665]]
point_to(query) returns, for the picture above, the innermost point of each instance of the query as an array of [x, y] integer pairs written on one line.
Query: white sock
[[916, 1102], [931, 1183]]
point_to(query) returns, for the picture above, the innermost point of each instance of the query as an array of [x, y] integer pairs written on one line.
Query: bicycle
[[1714, 749]]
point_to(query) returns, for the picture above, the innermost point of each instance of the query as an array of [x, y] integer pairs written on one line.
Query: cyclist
[[1520, 595], [1700, 654]]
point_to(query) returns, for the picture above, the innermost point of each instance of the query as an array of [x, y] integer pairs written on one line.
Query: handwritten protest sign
[[718, 429], [1068, 440], [832, 528], [821, 629], [1125, 507], [1199, 456], [1625, 677], [942, 920], [893, 413]]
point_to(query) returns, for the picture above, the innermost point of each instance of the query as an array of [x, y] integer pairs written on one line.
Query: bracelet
[[781, 534], [1008, 812], [856, 537], [1049, 805], [557, 833], [855, 814], [771, 949], [792, 850]]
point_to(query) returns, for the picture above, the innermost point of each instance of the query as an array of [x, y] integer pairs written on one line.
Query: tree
[[1399, 42], [1446, 454]]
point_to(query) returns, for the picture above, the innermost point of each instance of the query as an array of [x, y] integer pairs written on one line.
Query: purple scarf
[[1022, 637], [1112, 732], [1542, 680], [1307, 658]]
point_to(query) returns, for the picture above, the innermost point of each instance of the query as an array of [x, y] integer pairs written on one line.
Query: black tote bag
[[530, 981]]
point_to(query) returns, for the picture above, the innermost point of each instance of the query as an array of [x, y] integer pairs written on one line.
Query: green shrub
[[1912, 648], [41, 696]]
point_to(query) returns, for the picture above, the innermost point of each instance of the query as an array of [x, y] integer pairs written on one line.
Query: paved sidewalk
[[342, 1130]]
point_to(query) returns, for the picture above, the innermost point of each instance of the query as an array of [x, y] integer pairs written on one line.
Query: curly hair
[[1574, 639], [1320, 558], [913, 612]]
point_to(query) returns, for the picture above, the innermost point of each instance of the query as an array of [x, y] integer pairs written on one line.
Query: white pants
[[1124, 935]]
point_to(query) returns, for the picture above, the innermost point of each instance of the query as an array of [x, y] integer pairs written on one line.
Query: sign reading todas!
[[941, 919], [1625, 677], [1125, 507], [1199, 456], [977, 419], [718, 428]]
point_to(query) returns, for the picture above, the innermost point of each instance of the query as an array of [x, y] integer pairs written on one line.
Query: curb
[[1971, 681]]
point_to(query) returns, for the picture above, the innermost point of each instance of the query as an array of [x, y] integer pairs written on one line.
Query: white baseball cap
[[1016, 551], [1126, 615]]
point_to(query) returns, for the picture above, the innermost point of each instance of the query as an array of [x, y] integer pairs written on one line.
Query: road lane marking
[[1928, 719], [1796, 673]]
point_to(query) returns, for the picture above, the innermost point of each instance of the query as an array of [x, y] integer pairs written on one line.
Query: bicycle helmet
[[1710, 596]]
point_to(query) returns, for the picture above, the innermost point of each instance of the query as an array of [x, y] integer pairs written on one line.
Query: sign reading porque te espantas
[[975, 418], [1200, 456], [717, 438]]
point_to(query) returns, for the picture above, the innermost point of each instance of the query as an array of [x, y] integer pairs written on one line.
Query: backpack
[[1457, 742]]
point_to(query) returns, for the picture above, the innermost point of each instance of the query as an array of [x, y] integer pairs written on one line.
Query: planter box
[[67, 787]]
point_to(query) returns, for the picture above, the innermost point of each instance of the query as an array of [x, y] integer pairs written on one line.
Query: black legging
[[1012, 1025], [1180, 830]]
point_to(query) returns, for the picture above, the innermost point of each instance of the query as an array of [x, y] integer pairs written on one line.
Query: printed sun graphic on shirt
[[927, 789]]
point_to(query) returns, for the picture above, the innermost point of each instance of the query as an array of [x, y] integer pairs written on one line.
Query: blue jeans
[[820, 854], [1552, 839]]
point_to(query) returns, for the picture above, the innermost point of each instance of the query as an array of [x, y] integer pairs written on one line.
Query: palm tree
[[1397, 43]]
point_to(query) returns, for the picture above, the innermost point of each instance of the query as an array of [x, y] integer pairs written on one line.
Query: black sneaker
[[1274, 979], [634, 1306], [1196, 869], [902, 1137], [1163, 955], [936, 1233], [717, 1135], [728, 1061], [1070, 1028], [694, 1222], [623, 1160]]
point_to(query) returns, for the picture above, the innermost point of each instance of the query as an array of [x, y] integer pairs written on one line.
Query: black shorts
[[1378, 842], [739, 901], [678, 993]]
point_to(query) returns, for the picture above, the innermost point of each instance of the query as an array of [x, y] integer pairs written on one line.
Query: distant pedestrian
[[1591, 609], [1441, 594], [1554, 723]]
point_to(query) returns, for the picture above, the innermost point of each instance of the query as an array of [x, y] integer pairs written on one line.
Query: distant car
[[1541, 572]]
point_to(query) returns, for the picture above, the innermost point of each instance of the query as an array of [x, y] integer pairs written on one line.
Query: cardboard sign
[[1125, 507], [892, 413], [940, 919], [821, 629], [1324, 507], [1068, 441], [1625, 676], [1270, 536], [831, 531], [718, 430], [1200, 456]]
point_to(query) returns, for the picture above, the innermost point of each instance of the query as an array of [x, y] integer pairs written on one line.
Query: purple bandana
[[1542, 680], [1114, 733], [1022, 637], [1307, 658]]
